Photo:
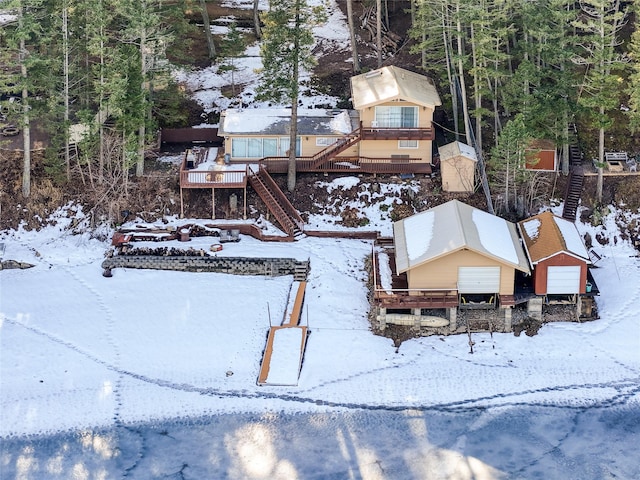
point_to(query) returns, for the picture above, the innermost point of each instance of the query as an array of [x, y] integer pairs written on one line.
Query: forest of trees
[[509, 71]]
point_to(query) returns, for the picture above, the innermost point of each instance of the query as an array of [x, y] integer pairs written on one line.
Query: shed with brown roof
[[556, 253]]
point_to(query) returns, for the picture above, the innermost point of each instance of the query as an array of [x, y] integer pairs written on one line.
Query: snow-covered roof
[[451, 227], [276, 121], [457, 149], [546, 235], [392, 83]]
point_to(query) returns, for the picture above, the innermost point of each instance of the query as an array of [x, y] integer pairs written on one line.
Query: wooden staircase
[[574, 184], [276, 201], [331, 151]]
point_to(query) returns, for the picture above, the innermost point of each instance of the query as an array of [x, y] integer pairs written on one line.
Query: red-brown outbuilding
[[557, 255]]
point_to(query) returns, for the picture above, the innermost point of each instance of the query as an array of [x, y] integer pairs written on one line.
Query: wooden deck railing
[[397, 134], [350, 164], [230, 177]]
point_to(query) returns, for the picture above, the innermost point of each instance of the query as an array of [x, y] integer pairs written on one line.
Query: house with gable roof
[[461, 248], [560, 264], [452, 256], [389, 130], [556, 253]]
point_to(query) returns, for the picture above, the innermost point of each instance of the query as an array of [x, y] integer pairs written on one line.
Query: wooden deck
[[353, 165], [400, 297], [282, 350]]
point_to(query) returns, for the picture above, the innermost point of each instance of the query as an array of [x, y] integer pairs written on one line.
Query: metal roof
[[545, 235], [455, 226], [276, 121], [392, 83]]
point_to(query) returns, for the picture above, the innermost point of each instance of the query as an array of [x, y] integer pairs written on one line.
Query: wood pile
[[390, 41]]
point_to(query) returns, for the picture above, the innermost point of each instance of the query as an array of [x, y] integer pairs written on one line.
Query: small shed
[[556, 253], [541, 155], [459, 248], [458, 167]]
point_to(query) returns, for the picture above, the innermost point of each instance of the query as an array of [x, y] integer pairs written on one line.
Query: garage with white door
[[478, 280], [563, 280]]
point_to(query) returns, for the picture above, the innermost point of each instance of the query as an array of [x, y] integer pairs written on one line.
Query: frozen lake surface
[[514, 442]]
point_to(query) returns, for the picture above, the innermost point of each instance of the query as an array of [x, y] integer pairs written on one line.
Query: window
[[239, 147], [270, 147], [256, 147], [325, 141], [407, 143], [284, 146], [397, 117]]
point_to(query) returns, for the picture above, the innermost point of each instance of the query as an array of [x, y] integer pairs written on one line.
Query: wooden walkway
[[282, 359]]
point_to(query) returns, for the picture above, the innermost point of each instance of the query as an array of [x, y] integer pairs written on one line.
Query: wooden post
[[181, 204], [244, 204], [213, 203]]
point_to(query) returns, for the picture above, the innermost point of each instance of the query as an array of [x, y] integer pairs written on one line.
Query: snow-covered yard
[[152, 374], [85, 353]]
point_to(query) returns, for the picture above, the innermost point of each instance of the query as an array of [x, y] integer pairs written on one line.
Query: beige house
[[401, 101], [458, 163], [389, 130], [459, 249], [254, 134]]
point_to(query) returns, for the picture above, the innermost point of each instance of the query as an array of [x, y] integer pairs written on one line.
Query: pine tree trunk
[[142, 128], [600, 181], [207, 29], [256, 20], [450, 74], [65, 68], [352, 34], [26, 129], [463, 88], [379, 31], [291, 171]]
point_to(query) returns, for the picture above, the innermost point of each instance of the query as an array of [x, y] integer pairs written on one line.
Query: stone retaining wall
[[272, 267]]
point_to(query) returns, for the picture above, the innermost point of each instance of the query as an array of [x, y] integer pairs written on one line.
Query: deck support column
[[181, 204], [507, 319], [213, 203], [244, 203], [452, 313]]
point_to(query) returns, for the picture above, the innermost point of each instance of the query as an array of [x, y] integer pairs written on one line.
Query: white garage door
[[478, 279], [563, 280]]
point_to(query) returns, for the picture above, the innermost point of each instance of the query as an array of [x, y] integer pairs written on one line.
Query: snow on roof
[[392, 83], [275, 121], [546, 235], [453, 226], [495, 236], [455, 149], [421, 227]]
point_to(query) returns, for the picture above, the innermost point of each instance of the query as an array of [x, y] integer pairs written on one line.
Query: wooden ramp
[[282, 359]]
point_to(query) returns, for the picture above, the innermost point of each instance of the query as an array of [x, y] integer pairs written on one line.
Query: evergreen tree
[[507, 163], [634, 78], [601, 21], [286, 51], [231, 48], [543, 86]]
